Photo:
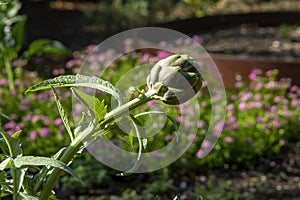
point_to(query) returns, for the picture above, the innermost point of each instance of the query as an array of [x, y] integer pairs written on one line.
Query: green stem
[[10, 74], [77, 142]]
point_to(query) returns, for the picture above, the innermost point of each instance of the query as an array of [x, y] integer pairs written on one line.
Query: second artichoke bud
[[175, 78]]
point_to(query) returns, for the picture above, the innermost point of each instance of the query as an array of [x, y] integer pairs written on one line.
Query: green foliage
[[12, 37], [117, 15]]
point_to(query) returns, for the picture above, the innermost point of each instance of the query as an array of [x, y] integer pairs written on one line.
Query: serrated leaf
[[78, 81], [63, 115], [42, 161], [94, 105]]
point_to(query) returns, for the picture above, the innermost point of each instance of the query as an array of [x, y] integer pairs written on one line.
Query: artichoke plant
[[176, 79]]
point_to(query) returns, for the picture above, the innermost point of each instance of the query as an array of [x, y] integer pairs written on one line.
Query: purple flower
[[200, 153], [206, 144], [91, 47], [246, 96], [294, 88], [57, 121], [228, 139], [273, 108], [33, 135], [9, 125], [276, 123], [198, 39], [35, 118], [179, 119], [201, 123], [192, 136], [260, 120], [44, 132], [144, 58], [183, 160], [269, 73], [295, 102], [232, 120], [169, 137], [242, 106], [238, 84], [163, 54], [257, 97]]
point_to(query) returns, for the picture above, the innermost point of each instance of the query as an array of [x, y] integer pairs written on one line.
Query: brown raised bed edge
[[231, 65]]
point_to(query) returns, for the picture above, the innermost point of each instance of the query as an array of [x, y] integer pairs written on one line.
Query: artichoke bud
[[176, 79]]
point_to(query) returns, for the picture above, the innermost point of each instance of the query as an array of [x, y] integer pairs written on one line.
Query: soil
[[252, 40]]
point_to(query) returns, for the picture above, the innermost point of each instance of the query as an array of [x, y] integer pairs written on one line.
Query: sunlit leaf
[[42, 161], [94, 105], [78, 81], [63, 115]]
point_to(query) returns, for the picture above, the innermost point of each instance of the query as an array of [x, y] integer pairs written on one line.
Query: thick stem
[[77, 142]]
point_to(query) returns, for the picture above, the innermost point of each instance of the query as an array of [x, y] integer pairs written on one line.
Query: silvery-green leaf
[[78, 81], [42, 161]]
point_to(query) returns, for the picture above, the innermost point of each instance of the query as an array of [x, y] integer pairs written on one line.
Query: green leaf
[[45, 46], [17, 134], [42, 161], [28, 184], [94, 105], [78, 81], [18, 178], [14, 146], [28, 197], [4, 147], [63, 115], [6, 163], [18, 32]]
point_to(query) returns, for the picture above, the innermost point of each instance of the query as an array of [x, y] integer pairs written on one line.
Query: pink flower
[[260, 119], [163, 54], [169, 137], [57, 121], [200, 153], [228, 139], [276, 123], [198, 39], [295, 102], [238, 84], [242, 106], [294, 88], [246, 96], [4, 81], [179, 119], [277, 99], [144, 58], [232, 120], [269, 73], [9, 125], [33, 135], [44, 132], [91, 47], [206, 144]]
